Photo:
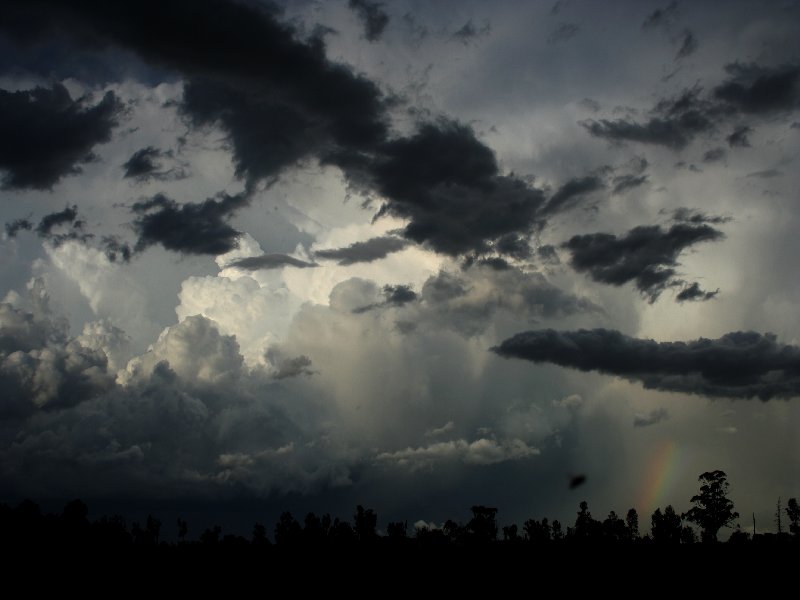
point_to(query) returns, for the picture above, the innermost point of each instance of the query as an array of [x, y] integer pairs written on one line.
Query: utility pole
[[754, 524], [778, 517]]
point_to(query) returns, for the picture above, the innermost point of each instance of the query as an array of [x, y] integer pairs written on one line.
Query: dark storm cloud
[[48, 135], [656, 416], [280, 101], [696, 217], [372, 17], [192, 228], [766, 174], [14, 227], [562, 33], [369, 251], [62, 217], [468, 32], [623, 183], [270, 261], [457, 200], [740, 137], [688, 45], [756, 89], [645, 255], [569, 194], [737, 365], [693, 293], [674, 123], [715, 155]]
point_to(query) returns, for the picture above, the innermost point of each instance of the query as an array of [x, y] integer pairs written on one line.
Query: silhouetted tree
[[614, 529], [287, 530], [260, 538], [313, 531], [397, 530], [537, 531], [211, 536], [666, 527], [558, 532], [153, 526], [510, 533], [365, 521], [587, 528], [712, 508], [342, 533], [183, 529], [482, 527], [453, 531], [632, 522], [793, 512]]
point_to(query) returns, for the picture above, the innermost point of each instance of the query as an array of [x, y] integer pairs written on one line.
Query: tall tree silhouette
[[482, 527], [712, 508], [365, 521], [793, 512], [632, 522], [666, 527]]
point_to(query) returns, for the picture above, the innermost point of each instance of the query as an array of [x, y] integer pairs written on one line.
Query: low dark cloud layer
[[646, 255], [49, 135], [368, 251], [737, 365], [191, 228], [269, 261], [748, 90], [673, 123], [372, 16]]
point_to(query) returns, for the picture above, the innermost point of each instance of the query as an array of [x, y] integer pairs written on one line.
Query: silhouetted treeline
[[25, 525]]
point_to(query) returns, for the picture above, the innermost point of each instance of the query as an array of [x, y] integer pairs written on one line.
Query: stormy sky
[[418, 256]]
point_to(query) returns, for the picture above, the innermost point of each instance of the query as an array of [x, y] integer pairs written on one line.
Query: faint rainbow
[[662, 470]]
